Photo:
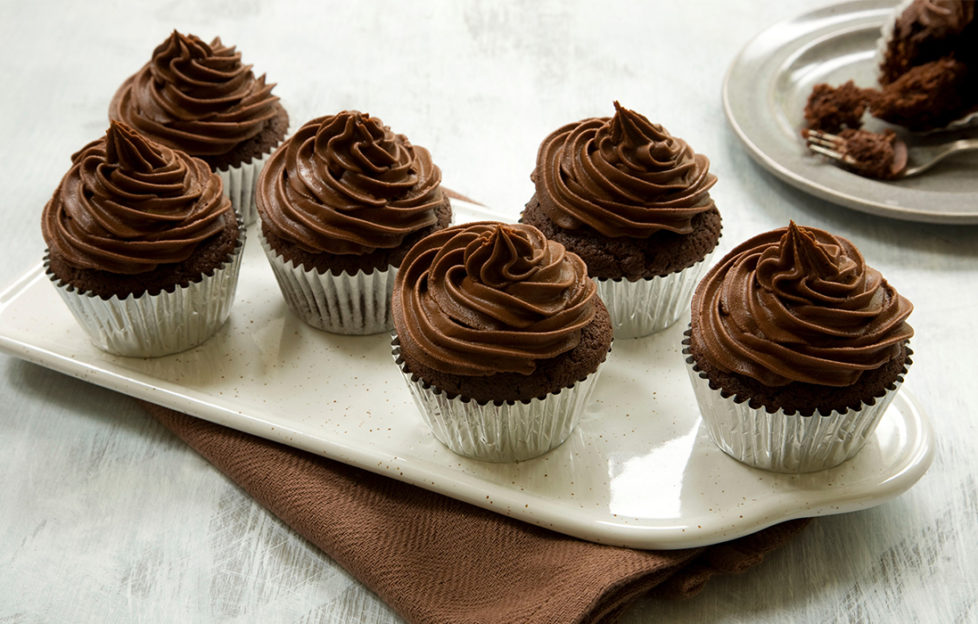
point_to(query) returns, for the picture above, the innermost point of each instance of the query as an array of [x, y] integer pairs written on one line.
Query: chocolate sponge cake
[[927, 74]]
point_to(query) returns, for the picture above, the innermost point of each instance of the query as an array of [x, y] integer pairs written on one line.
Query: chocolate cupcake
[[340, 203], [499, 334], [201, 99], [142, 245], [633, 202], [928, 64], [795, 349]]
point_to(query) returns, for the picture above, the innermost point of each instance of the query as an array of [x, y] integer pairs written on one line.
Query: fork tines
[[830, 145]]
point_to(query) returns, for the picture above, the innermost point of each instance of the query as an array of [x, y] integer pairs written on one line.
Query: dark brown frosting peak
[[621, 176], [129, 153], [799, 305], [486, 298], [346, 184], [128, 205], [195, 96]]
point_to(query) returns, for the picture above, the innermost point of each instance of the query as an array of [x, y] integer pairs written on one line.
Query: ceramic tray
[[639, 471], [764, 96]]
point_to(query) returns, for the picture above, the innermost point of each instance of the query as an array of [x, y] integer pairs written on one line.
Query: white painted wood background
[[106, 517]]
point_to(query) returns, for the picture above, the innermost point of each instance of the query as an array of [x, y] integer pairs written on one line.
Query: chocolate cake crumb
[[832, 109], [871, 154], [631, 258], [926, 96]]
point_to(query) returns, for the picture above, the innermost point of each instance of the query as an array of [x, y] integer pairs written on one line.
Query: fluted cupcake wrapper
[[780, 442], [239, 185], [498, 432], [646, 306], [357, 304], [156, 325], [883, 42]]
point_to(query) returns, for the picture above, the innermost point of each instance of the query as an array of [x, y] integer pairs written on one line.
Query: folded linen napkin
[[434, 559]]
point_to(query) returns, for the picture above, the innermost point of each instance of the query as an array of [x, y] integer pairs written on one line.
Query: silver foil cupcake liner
[[646, 306], [357, 304], [239, 185], [779, 441], [498, 432], [156, 325], [883, 42]]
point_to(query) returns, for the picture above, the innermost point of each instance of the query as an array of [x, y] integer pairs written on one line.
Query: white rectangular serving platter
[[639, 471]]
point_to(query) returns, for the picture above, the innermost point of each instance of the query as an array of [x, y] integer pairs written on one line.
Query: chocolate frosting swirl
[[196, 97], [621, 176], [127, 205], [798, 305], [486, 298], [346, 184]]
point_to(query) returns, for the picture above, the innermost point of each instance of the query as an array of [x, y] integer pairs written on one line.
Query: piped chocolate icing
[[798, 304], [346, 184], [487, 298], [197, 97], [621, 176], [128, 205]]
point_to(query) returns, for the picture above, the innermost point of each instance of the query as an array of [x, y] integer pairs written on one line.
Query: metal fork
[[920, 158]]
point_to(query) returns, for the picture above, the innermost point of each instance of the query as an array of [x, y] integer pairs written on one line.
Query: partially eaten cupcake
[[928, 66], [928, 62], [927, 81], [796, 348]]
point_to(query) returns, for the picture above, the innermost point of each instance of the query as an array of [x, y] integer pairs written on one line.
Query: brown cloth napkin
[[434, 559]]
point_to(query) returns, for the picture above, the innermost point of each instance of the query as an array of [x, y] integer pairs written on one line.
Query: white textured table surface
[[104, 516]]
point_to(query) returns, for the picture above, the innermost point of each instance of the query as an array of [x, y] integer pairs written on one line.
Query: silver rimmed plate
[[764, 96]]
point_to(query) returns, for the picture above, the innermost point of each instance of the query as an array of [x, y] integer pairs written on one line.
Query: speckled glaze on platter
[[764, 96], [639, 470]]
